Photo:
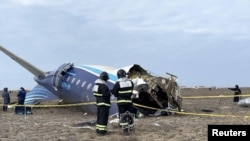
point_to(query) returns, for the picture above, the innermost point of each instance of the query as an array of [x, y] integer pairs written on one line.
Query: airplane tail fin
[[31, 68]]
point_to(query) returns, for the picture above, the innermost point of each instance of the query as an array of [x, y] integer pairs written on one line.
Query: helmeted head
[[104, 76], [236, 86], [121, 73], [21, 88], [5, 89]]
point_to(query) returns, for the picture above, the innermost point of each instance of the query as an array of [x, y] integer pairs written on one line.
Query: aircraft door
[[59, 74]]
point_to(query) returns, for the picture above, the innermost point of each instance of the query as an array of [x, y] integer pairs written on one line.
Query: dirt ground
[[56, 124]]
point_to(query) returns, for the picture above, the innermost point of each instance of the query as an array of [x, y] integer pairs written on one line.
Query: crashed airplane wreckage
[[72, 84], [156, 95]]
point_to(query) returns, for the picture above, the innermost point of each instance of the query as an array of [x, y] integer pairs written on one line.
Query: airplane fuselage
[[75, 85]]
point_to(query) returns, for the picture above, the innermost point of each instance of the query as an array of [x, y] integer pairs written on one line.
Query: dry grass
[[55, 124]]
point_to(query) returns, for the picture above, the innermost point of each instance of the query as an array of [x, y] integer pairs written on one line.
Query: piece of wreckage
[[156, 95], [245, 102]]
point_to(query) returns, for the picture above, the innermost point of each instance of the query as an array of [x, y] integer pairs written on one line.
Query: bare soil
[[57, 124]]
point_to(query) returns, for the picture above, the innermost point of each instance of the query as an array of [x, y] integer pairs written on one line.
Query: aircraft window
[[73, 80], [83, 83], [78, 82], [89, 86], [68, 78]]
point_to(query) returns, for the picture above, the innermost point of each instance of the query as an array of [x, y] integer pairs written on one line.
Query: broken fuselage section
[[155, 95]]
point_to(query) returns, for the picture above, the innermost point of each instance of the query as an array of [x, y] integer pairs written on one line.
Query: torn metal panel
[[154, 91]]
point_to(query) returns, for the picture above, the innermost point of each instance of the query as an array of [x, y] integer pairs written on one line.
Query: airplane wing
[[34, 70]]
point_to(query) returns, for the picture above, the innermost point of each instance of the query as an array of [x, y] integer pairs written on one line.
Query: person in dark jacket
[[237, 92], [6, 99], [21, 98], [123, 89], [102, 94]]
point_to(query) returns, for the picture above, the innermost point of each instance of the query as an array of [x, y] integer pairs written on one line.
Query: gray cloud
[[189, 38]]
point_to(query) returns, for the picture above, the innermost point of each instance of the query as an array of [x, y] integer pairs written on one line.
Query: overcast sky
[[204, 43]]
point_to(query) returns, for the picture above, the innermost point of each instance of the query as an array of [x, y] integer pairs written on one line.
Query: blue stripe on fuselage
[[98, 71]]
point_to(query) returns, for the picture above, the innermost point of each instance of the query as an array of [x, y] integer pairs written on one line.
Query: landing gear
[[127, 122]]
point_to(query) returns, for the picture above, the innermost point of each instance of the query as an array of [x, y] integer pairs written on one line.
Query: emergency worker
[[237, 92], [21, 98], [102, 94], [6, 99], [123, 89]]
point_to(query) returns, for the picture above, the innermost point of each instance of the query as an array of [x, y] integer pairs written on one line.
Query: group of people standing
[[122, 90], [21, 98]]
